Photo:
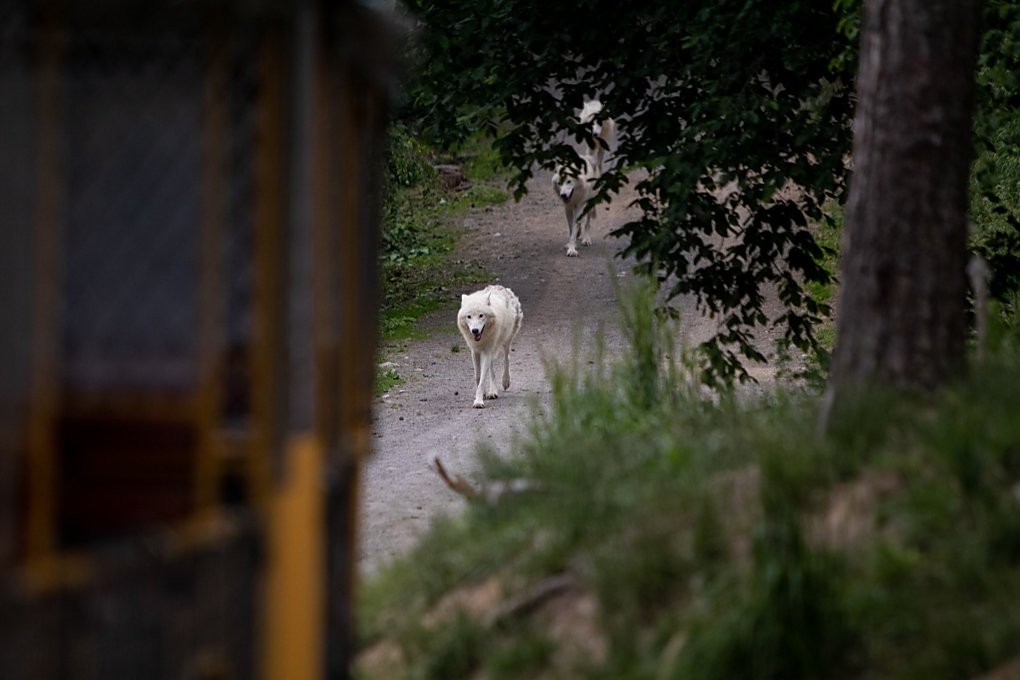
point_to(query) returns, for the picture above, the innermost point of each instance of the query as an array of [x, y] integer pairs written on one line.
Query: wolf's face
[[563, 184], [566, 189], [474, 320]]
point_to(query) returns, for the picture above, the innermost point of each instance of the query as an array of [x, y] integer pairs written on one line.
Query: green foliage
[[827, 234], [408, 162], [410, 184], [720, 106], [452, 649], [788, 622], [725, 539], [477, 196], [481, 159], [386, 380], [418, 271], [995, 182], [520, 654]]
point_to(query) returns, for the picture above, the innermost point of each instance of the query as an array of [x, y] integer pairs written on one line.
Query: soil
[[565, 302]]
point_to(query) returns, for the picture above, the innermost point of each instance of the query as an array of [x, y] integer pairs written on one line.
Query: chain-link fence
[[187, 238]]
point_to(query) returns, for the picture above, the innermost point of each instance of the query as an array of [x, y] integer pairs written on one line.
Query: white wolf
[[489, 320], [574, 190], [604, 131]]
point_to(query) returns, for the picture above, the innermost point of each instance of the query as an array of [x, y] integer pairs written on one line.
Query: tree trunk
[[901, 312]]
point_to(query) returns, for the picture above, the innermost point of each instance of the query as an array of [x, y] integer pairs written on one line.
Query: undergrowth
[[827, 235], [722, 538], [419, 272]]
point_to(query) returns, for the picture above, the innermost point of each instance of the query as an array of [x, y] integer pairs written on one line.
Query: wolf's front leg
[[490, 390], [484, 361], [475, 359], [572, 227]]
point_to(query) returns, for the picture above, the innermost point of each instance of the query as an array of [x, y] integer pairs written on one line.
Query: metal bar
[[357, 119], [325, 181], [41, 529], [211, 286], [268, 321], [343, 467]]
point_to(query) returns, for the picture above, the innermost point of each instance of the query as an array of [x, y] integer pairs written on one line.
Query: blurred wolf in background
[[604, 132], [574, 189]]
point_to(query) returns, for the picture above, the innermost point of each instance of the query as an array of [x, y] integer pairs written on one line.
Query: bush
[[408, 161], [418, 237], [725, 538], [995, 184], [995, 209]]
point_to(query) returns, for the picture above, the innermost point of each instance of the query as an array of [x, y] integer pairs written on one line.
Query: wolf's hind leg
[[506, 366]]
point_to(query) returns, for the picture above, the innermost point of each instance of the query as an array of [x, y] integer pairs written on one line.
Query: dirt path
[[563, 298]]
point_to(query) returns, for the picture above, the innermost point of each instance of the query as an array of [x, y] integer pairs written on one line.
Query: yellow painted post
[[293, 629], [295, 597]]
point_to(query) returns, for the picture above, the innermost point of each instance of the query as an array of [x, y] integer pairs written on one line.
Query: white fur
[[489, 320], [575, 190], [604, 130]]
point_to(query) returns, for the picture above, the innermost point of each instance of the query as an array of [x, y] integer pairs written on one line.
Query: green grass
[[827, 235], [386, 380], [729, 540], [481, 160], [425, 278], [477, 196]]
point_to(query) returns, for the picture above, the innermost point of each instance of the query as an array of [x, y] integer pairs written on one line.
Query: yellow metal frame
[[212, 346], [266, 350], [41, 463], [292, 506], [295, 583]]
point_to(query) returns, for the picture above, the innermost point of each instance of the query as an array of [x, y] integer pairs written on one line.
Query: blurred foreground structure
[[188, 229]]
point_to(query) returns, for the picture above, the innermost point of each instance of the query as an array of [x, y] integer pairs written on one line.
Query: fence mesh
[[17, 177], [133, 134], [128, 200], [176, 179]]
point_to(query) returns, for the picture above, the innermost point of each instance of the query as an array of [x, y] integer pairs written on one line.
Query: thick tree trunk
[[900, 319]]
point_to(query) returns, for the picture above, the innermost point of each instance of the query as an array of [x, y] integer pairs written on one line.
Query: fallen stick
[[530, 599], [490, 493], [458, 484]]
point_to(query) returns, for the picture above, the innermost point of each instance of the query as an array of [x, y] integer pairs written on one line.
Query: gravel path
[[565, 300]]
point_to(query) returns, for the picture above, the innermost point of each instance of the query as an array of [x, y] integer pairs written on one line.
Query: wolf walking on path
[[489, 320]]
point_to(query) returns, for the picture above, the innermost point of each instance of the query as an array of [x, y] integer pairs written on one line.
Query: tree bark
[[901, 311]]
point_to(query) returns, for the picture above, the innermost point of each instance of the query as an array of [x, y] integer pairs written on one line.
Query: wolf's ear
[[488, 299], [463, 297]]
